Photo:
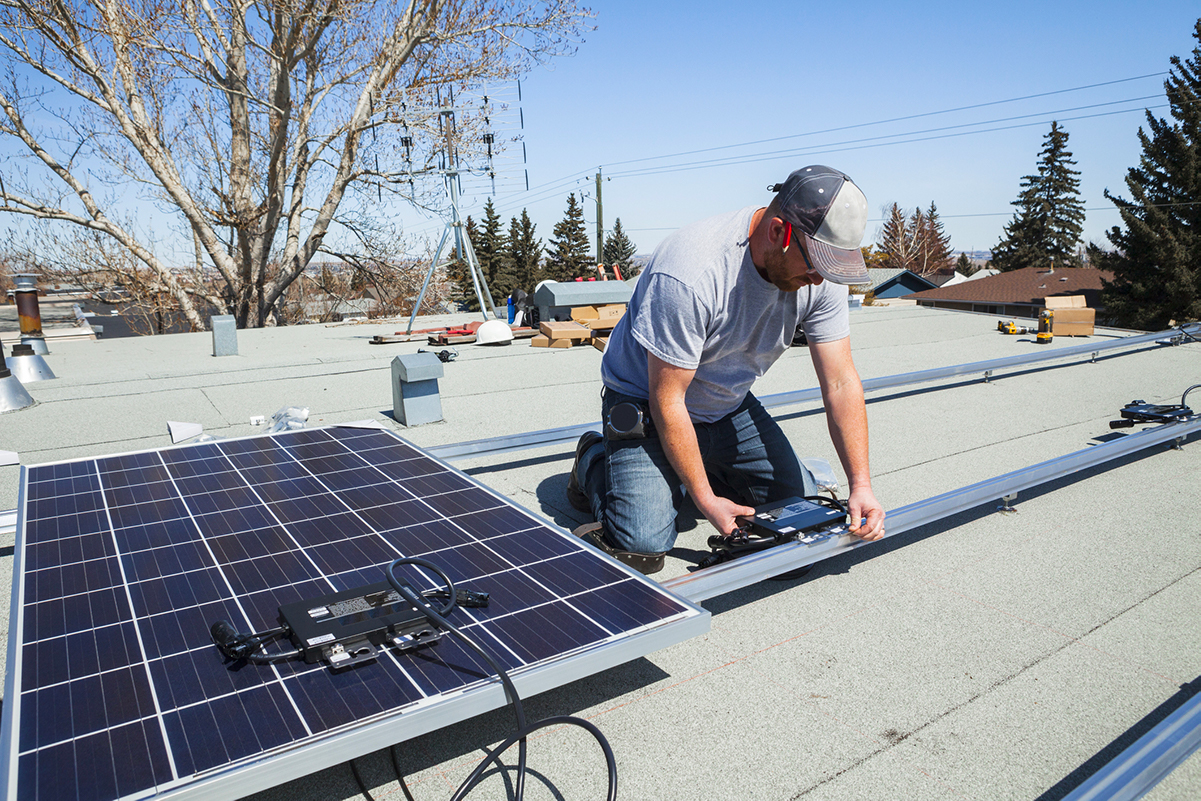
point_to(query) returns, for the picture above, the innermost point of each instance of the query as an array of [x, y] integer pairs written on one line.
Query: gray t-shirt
[[701, 305]]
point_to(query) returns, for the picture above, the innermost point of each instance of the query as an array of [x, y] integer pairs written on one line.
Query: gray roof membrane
[[983, 656]]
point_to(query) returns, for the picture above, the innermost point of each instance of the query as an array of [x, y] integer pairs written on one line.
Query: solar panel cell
[[127, 560]]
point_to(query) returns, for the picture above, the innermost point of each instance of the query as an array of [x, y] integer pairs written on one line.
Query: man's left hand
[[863, 504]]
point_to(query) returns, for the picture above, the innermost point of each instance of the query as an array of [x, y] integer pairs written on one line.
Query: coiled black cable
[[435, 617]]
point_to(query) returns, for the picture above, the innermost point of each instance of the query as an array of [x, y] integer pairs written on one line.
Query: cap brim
[[839, 265]]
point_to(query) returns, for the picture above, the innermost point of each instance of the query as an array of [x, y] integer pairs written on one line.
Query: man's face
[[789, 270]]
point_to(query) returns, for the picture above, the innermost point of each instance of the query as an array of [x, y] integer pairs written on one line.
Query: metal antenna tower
[[462, 241]]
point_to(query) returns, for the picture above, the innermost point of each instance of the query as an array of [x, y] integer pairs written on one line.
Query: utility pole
[[600, 221]]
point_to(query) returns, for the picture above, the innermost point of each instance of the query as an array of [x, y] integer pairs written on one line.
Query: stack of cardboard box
[[1072, 317], [590, 325]]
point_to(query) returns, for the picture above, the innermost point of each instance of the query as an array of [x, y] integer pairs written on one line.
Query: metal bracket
[[987, 375], [1007, 503], [1093, 360], [1177, 444]]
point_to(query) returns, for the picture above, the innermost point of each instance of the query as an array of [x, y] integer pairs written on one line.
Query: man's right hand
[[721, 513]]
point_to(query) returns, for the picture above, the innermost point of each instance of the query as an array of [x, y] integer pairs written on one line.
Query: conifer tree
[[462, 290], [896, 245], [489, 249], [570, 251], [1050, 213], [932, 243], [1157, 266], [524, 252], [618, 247], [964, 265]]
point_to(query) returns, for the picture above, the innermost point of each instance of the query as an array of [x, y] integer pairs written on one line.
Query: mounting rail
[[753, 568], [1132, 773], [570, 434]]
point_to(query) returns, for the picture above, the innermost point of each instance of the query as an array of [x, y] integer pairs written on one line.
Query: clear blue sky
[[661, 78]]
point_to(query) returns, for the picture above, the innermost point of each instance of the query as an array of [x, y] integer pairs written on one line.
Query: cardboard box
[[599, 343], [570, 331], [542, 341], [1065, 302], [606, 318], [1072, 318], [602, 324], [582, 314]]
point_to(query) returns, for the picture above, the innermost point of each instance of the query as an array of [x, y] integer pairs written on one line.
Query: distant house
[[890, 283], [326, 308], [1020, 293]]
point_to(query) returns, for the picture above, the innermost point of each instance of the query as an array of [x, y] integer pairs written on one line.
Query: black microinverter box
[[347, 628], [792, 516]]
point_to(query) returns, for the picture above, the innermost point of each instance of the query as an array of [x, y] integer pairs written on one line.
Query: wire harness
[[524, 730], [744, 540]]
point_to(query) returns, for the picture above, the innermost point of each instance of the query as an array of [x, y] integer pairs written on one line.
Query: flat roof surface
[[986, 656]]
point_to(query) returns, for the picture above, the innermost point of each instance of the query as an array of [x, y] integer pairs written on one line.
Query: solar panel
[[114, 689]]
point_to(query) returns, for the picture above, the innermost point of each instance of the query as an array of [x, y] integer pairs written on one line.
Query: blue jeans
[[634, 490]]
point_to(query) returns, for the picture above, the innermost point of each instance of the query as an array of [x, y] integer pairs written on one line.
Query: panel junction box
[[348, 628]]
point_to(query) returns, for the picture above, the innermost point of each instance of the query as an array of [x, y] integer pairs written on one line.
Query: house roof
[[985, 655], [878, 275], [1030, 285], [881, 276]]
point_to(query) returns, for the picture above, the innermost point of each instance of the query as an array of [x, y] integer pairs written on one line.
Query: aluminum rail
[[1132, 773], [986, 367], [753, 568], [569, 434]]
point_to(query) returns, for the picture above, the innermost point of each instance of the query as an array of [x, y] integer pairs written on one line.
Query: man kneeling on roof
[[718, 303]]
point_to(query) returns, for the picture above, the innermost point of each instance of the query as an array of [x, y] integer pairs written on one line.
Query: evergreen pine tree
[[932, 243], [964, 265], [896, 246], [462, 290], [618, 248], [1050, 213], [570, 252], [490, 250], [1157, 266], [524, 252]]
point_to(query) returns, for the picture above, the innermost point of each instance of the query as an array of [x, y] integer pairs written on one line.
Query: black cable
[[1186, 334], [400, 776], [1185, 395], [362, 784], [523, 731], [833, 503]]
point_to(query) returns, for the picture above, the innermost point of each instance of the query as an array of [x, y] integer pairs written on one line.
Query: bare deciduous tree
[[258, 128]]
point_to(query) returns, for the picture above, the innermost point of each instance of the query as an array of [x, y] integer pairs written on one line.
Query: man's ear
[[785, 234]]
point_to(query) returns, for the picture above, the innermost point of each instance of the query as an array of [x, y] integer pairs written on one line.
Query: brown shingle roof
[[1030, 285]]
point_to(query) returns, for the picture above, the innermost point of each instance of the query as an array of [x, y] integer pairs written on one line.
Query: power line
[[550, 189], [890, 120], [841, 145], [835, 149]]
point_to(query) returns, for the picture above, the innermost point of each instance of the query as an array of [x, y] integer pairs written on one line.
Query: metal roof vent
[[28, 312], [12, 394], [28, 366]]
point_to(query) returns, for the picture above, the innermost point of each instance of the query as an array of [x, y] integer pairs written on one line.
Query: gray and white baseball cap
[[826, 206]]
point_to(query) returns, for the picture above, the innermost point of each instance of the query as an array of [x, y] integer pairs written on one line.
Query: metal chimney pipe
[[28, 312], [12, 394]]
